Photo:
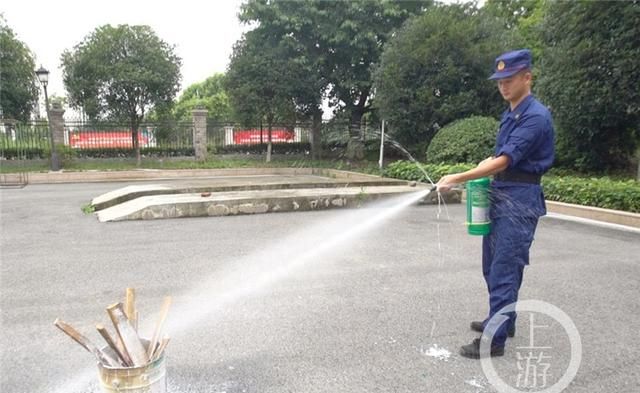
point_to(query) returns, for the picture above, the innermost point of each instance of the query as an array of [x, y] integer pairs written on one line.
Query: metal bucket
[[150, 378]]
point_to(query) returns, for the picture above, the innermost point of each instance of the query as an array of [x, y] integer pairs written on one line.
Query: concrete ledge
[[595, 213], [136, 191], [247, 202]]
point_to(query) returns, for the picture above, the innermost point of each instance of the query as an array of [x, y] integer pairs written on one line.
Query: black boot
[[477, 326], [472, 350]]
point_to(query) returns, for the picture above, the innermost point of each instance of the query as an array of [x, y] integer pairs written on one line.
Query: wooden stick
[[130, 307], [161, 347], [130, 340], [85, 343], [164, 310], [120, 345], [118, 349]]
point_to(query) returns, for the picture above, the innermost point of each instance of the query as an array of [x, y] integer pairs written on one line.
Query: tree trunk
[[135, 142], [638, 158], [269, 143], [261, 139], [355, 147], [316, 135]]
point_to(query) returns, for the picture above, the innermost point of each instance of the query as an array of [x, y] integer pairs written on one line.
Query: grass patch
[[88, 208]]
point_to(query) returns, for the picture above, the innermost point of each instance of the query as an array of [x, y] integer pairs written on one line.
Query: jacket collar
[[520, 109]]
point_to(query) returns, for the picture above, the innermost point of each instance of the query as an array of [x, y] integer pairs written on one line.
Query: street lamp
[[43, 77]]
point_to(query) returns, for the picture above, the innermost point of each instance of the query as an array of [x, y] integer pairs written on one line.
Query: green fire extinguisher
[[478, 221]]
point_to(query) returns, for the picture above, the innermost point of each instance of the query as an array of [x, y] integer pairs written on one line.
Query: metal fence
[[221, 134], [20, 139], [28, 140], [14, 144], [104, 136]]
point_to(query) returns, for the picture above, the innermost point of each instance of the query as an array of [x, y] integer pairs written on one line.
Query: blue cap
[[510, 63]]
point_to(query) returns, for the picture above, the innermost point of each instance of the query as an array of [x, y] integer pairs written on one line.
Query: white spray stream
[[276, 262], [263, 268]]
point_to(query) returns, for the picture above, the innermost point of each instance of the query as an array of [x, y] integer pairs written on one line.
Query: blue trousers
[[505, 253]]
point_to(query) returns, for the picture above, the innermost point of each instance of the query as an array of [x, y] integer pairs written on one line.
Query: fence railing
[[24, 136], [32, 139], [168, 138], [226, 134], [82, 136]]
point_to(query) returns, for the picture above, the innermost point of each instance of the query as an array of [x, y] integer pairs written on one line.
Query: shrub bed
[[598, 192], [466, 140], [409, 170], [595, 191]]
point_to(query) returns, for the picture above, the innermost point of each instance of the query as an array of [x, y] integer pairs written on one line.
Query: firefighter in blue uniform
[[524, 152]]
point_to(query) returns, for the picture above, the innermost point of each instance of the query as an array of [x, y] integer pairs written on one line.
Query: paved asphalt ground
[[290, 302]]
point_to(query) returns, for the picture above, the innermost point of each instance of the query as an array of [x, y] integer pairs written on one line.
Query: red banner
[[107, 139], [242, 137]]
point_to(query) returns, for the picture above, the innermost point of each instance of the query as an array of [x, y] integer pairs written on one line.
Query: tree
[[523, 16], [293, 25], [512, 11], [265, 81], [343, 41], [18, 84], [209, 94], [121, 73], [425, 82], [590, 78]]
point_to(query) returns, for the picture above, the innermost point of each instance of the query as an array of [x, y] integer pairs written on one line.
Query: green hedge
[[409, 170], [23, 153], [70, 153], [128, 152], [261, 148], [598, 192], [466, 140]]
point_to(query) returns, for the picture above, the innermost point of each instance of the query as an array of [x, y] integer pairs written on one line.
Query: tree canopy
[[209, 94], [523, 16], [340, 41], [269, 82], [590, 79], [120, 72], [259, 80], [18, 83], [424, 82]]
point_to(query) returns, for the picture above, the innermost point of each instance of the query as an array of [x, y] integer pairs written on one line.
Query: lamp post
[[43, 77]]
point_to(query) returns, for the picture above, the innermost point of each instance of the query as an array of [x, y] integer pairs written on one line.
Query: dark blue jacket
[[526, 135]]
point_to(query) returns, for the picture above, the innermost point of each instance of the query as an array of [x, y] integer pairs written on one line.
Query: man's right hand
[[447, 182]]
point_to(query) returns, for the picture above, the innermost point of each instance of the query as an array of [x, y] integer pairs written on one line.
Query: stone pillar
[[200, 133], [56, 115], [298, 134], [228, 135]]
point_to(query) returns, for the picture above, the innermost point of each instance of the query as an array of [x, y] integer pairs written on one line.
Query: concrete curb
[[595, 213], [610, 216]]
